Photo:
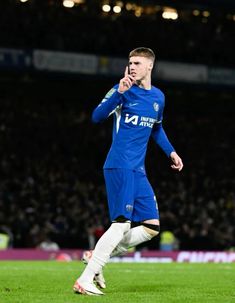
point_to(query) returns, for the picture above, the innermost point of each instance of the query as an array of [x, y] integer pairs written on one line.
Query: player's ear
[[150, 65]]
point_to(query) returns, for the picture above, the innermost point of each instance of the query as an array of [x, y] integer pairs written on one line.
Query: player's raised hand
[[126, 82], [177, 161]]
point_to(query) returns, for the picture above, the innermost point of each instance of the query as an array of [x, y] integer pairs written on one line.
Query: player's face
[[140, 67]]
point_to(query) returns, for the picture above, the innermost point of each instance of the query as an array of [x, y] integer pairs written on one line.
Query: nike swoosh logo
[[133, 104]]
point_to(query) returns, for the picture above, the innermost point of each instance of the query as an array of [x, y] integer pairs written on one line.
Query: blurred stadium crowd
[[51, 158], [47, 25]]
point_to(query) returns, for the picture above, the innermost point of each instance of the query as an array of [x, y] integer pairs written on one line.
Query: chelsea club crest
[[156, 106]]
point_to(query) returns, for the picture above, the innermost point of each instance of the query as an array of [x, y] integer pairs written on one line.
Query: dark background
[[51, 155]]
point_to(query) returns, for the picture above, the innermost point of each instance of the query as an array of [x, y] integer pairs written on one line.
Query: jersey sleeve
[[158, 132], [161, 139], [108, 105]]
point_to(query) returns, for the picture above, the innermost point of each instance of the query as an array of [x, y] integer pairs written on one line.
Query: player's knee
[[122, 224], [152, 229]]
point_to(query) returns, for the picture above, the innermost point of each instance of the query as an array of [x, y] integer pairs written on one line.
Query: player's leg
[[119, 184], [102, 252], [137, 235], [146, 212], [99, 277]]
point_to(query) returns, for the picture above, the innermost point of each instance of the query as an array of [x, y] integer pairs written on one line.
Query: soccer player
[[137, 107]]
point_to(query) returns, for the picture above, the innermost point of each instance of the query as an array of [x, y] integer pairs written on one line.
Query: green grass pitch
[[51, 282]]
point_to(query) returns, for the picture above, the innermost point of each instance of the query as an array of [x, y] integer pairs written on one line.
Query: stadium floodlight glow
[[117, 9], [196, 12], [23, 1], [129, 6], [68, 3], [106, 8], [119, 3], [169, 13], [138, 11], [206, 14]]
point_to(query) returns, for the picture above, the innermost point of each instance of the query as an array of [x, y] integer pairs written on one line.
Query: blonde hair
[[142, 52]]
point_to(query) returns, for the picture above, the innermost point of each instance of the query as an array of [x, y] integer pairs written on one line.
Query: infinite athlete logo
[[141, 121]]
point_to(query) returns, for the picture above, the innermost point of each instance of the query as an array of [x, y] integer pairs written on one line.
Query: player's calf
[[152, 229], [136, 236]]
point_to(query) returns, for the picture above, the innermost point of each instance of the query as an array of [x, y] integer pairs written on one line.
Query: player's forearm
[[106, 107], [162, 140]]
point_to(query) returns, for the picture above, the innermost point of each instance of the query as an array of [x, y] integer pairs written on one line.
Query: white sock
[[103, 250], [132, 238]]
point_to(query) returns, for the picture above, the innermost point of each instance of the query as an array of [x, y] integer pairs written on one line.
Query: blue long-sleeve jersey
[[138, 114]]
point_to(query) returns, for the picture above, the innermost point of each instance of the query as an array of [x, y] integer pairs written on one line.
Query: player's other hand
[[177, 161], [126, 82]]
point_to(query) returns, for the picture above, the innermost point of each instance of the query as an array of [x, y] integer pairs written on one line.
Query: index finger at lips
[[127, 81], [131, 78], [126, 71]]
